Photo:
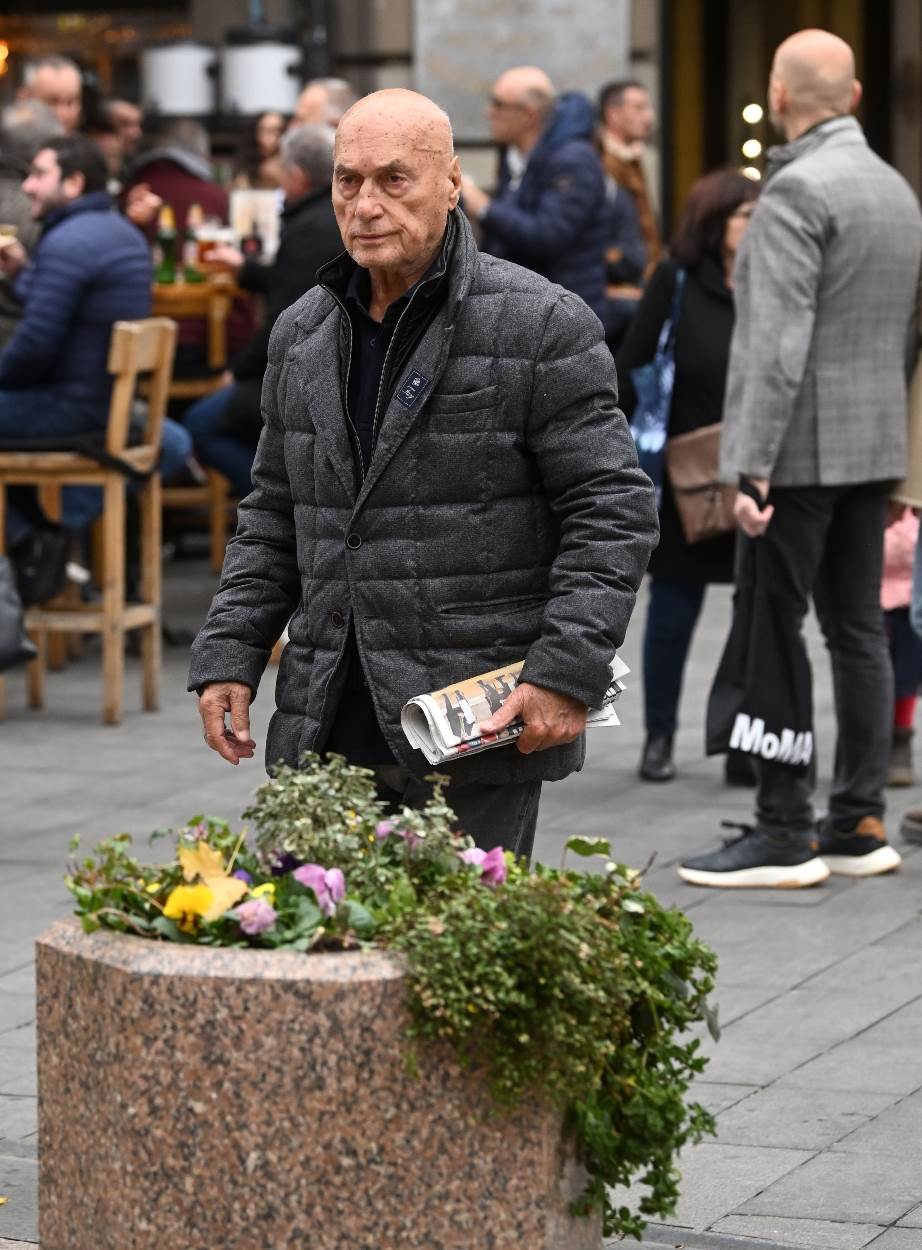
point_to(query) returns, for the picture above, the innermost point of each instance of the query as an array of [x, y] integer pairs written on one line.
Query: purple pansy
[[492, 864], [242, 875], [328, 884], [256, 915]]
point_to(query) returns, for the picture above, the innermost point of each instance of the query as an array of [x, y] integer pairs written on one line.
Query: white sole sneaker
[[765, 876], [884, 859]]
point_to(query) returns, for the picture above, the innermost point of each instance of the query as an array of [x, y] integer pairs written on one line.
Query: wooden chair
[[136, 347], [209, 301]]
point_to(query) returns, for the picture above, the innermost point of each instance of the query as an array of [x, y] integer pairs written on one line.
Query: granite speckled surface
[[258, 1100]]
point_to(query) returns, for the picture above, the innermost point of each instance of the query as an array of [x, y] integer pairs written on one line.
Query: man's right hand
[[214, 702], [12, 257]]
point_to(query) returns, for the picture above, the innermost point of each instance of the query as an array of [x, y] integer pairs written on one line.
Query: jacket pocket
[[525, 604], [470, 401]]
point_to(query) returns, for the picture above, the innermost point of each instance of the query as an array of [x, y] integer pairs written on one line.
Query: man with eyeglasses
[[549, 212]]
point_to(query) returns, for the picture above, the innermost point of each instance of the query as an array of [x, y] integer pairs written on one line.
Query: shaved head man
[[323, 102], [57, 82], [443, 484], [812, 79], [395, 180], [814, 436]]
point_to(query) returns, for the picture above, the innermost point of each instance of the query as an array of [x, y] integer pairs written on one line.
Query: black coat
[[309, 239], [702, 351]]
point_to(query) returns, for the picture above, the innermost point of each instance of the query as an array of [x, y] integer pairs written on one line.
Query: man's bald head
[[395, 180], [812, 79], [520, 106]]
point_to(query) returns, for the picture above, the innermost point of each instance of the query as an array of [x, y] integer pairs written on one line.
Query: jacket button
[[337, 620], [353, 541]]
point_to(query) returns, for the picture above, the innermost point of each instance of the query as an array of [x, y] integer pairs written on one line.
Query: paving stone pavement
[[817, 1080]]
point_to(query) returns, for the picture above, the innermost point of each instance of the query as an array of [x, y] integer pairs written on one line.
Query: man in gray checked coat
[[444, 485], [814, 433]]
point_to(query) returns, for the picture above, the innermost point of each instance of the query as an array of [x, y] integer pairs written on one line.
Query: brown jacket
[[626, 169]]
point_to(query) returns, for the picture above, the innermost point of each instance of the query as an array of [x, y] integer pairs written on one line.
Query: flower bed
[[565, 989]]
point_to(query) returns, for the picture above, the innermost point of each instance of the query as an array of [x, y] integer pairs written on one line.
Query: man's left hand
[[550, 718], [752, 519], [475, 200]]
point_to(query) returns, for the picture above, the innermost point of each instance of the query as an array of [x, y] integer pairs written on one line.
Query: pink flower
[[328, 884], [492, 864], [256, 915], [384, 829]]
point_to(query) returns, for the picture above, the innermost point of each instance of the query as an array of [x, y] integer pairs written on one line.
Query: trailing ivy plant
[[575, 987]]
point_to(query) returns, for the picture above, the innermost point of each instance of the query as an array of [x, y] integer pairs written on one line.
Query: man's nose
[[367, 202]]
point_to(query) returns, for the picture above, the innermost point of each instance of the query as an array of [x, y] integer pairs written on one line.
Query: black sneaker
[[755, 858], [862, 852], [40, 563]]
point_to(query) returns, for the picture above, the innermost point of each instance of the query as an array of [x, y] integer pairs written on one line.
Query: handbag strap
[[666, 343]]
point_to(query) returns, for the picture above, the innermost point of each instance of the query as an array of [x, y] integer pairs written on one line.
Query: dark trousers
[[905, 653], [672, 614], [503, 816], [828, 541]]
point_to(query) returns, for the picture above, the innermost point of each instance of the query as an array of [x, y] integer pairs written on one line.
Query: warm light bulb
[[750, 171], [752, 114], [751, 149]]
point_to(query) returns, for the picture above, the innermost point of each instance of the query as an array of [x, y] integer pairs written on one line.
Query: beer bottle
[[194, 220], [165, 246]]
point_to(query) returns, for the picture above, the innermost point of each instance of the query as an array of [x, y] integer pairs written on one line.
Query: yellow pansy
[[266, 890], [186, 903], [201, 861]]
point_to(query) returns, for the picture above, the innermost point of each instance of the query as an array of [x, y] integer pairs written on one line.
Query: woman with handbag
[[692, 291]]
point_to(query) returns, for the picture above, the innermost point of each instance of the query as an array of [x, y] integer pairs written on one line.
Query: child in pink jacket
[[905, 646]]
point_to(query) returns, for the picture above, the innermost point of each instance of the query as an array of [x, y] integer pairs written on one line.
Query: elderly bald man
[[550, 212], [814, 433], [443, 485]]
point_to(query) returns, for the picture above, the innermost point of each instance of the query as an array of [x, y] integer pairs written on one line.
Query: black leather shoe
[[656, 762]]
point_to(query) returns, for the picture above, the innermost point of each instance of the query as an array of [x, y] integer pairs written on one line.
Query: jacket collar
[[95, 202], [777, 157], [292, 208]]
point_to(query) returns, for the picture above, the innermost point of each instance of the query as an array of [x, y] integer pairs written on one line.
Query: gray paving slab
[[912, 1219], [15, 1009], [18, 1118], [6, 1244], [898, 1127], [812, 1234], [859, 1189], [718, 1179], [803, 1119], [896, 1239], [19, 1185], [717, 1098]]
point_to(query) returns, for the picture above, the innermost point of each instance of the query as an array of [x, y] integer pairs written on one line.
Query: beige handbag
[[704, 505]]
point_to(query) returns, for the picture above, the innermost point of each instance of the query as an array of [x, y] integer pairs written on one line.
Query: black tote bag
[[761, 701]]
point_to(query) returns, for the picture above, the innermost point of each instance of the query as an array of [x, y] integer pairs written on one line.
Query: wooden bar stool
[[136, 347]]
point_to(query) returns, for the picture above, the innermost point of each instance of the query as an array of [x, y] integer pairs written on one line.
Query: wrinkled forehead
[[386, 137]]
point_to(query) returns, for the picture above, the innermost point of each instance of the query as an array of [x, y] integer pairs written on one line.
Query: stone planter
[[227, 1099]]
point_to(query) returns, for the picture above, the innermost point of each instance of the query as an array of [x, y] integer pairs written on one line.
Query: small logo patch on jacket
[[411, 388]]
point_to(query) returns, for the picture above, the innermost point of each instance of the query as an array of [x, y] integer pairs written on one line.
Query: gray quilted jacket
[[503, 515]]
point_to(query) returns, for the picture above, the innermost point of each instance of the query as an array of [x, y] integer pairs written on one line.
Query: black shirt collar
[[358, 293]]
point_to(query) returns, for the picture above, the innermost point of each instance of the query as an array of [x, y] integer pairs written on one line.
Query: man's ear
[[857, 92], [74, 185], [454, 177]]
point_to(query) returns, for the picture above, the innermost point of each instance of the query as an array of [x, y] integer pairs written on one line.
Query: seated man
[[225, 426], [90, 269]]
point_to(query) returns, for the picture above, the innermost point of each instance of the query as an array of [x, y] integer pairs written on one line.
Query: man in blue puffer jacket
[[90, 269], [549, 212]]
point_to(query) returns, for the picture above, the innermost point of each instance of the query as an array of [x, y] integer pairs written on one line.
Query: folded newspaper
[[447, 723]]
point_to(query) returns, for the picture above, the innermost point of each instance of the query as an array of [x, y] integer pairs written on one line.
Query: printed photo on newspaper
[[446, 724]]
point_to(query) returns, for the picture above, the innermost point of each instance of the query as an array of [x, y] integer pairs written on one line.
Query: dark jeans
[[905, 653], [828, 542], [217, 445], [671, 618], [503, 816], [40, 412]]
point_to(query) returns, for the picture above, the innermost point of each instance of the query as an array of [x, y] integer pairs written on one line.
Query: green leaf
[[633, 905], [168, 929], [359, 918], [587, 847]]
